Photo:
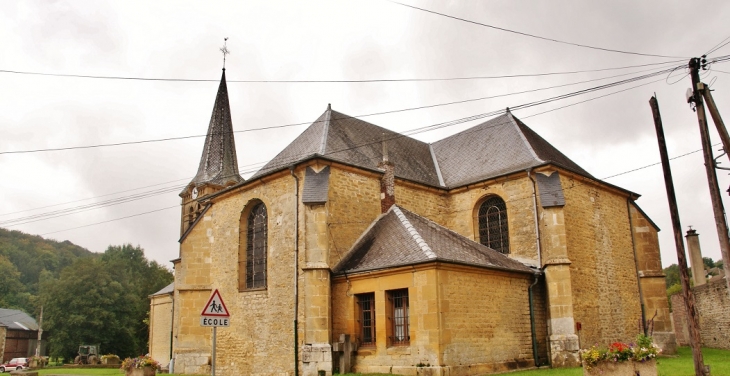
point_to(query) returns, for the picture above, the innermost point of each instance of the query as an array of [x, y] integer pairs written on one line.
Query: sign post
[[214, 314]]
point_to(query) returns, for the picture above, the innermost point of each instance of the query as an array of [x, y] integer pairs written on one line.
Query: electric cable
[[63, 212], [131, 78], [536, 36], [295, 124]]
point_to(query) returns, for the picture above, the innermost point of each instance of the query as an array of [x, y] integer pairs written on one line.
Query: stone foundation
[[316, 357], [192, 363], [564, 350], [666, 341]]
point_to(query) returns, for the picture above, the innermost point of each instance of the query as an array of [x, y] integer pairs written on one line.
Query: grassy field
[[680, 365]]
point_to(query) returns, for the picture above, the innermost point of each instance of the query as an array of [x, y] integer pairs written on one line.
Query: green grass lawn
[[680, 365]]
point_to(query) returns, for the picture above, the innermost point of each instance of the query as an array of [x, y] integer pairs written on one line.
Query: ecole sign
[[215, 312]]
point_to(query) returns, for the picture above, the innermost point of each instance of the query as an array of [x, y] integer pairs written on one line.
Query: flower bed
[[140, 366], [621, 359]]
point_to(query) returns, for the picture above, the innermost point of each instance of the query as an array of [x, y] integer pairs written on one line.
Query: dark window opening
[[400, 317], [493, 230], [366, 302], [256, 246]]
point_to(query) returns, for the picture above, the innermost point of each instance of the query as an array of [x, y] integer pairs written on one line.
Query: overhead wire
[[68, 211], [377, 80], [718, 46], [536, 36], [307, 123]]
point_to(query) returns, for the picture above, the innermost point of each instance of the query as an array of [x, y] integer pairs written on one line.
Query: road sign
[[214, 314], [215, 307], [214, 321]]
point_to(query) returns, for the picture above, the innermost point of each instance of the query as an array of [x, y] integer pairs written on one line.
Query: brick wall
[[713, 307]]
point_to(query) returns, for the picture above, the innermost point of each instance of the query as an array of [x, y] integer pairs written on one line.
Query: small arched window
[[256, 240], [493, 230]]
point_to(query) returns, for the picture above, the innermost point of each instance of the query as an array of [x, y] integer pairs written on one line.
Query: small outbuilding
[[18, 334]]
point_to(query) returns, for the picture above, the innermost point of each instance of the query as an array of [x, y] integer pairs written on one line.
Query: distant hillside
[[23, 259]]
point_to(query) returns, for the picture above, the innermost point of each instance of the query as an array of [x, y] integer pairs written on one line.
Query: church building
[[359, 249]]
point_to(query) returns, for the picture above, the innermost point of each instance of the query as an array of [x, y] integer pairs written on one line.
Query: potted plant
[[140, 366], [110, 359], [36, 362], [621, 359]]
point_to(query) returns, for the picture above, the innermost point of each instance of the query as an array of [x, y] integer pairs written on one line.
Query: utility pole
[[722, 231], [689, 300], [40, 334], [720, 125]]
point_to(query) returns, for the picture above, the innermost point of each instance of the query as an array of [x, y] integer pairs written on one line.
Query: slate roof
[[355, 142], [17, 320], [400, 238], [218, 163], [496, 147], [165, 290]]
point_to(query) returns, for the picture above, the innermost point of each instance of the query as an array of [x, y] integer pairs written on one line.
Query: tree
[[102, 301], [709, 264], [11, 289]]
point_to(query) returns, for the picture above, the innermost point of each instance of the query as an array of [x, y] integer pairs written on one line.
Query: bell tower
[[218, 166]]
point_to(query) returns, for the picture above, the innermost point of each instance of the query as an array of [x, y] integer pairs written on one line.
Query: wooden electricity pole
[[720, 125], [689, 301]]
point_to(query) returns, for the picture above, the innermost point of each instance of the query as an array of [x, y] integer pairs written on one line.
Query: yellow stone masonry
[[464, 320]]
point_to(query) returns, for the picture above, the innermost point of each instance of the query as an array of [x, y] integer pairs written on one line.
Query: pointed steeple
[[218, 164]]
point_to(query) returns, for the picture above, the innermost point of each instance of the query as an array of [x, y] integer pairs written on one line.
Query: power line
[[536, 36], [377, 80], [718, 46], [114, 220], [177, 206], [305, 123], [117, 201]]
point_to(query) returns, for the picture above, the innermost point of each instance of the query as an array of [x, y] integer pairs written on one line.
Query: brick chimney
[[387, 182]]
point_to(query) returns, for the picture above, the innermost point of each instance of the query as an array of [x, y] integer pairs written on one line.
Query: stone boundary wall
[[713, 306]]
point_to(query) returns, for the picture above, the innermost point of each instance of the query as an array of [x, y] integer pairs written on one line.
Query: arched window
[[255, 240], [493, 230]]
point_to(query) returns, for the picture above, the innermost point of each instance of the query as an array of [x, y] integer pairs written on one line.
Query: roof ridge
[[414, 234], [522, 137], [436, 165], [327, 117]]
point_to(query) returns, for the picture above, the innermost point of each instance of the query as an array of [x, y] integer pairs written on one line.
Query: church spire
[[218, 164]]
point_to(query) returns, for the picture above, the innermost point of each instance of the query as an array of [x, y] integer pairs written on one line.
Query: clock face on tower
[[195, 192]]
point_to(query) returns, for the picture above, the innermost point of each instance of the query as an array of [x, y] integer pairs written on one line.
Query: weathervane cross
[[225, 51]]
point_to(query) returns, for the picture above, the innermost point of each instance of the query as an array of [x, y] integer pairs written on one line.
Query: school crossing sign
[[215, 312]]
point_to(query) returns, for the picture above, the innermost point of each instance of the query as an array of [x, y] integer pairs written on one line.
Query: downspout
[[172, 327], [537, 224], [296, 270], [636, 263], [535, 356]]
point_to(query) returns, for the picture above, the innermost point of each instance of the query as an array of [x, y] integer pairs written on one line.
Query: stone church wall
[[517, 194], [713, 307], [487, 330], [456, 325], [354, 203], [260, 338], [602, 270], [160, 328]]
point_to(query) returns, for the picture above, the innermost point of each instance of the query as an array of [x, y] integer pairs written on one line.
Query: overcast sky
[[331, 40]]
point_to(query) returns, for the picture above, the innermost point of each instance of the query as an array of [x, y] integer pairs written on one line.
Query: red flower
[[618, 347]]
